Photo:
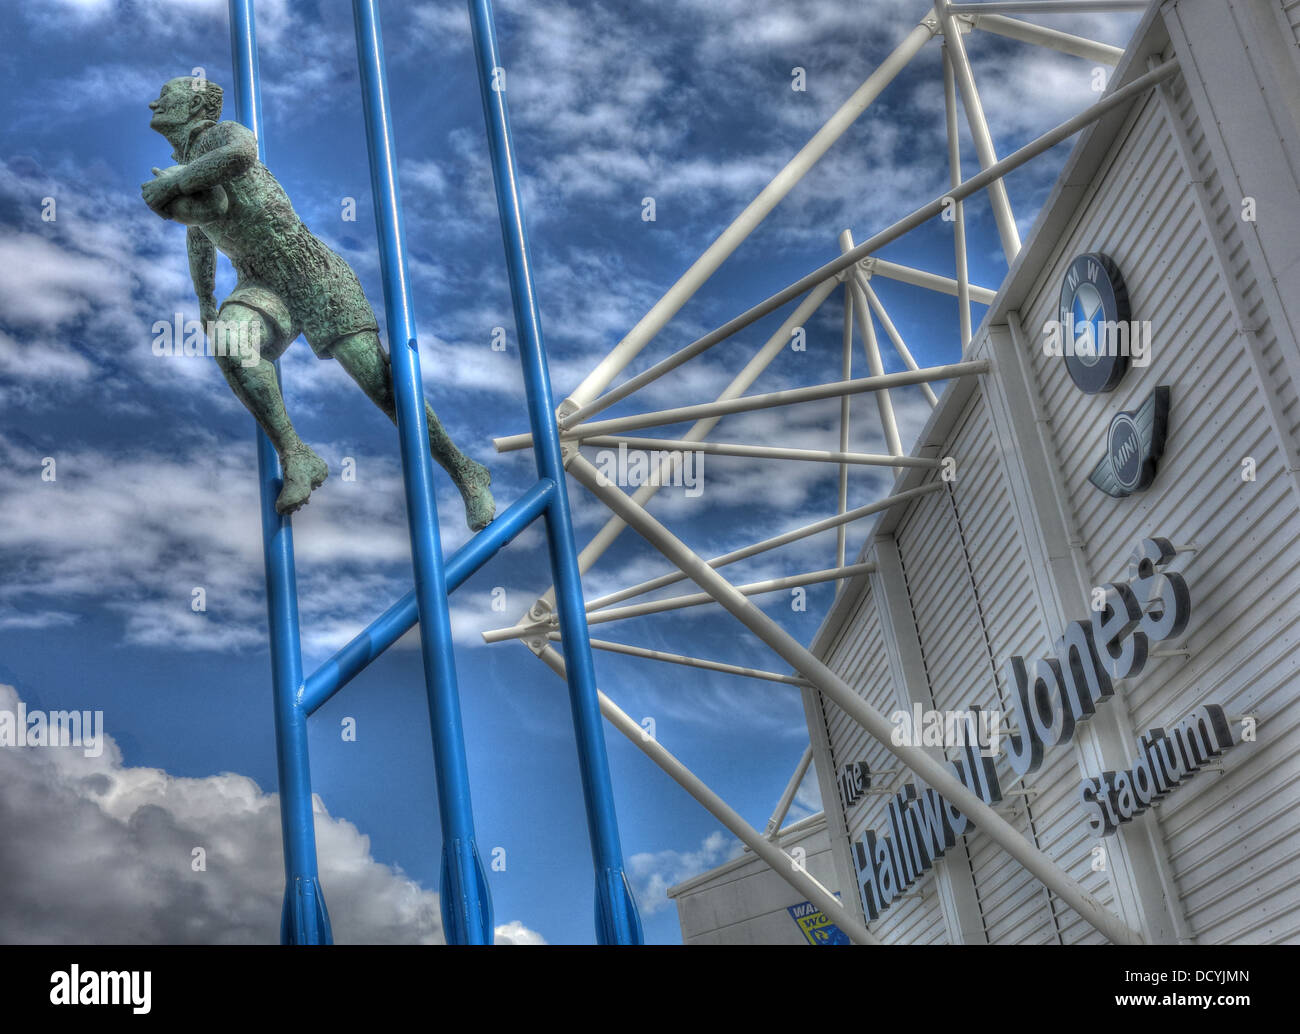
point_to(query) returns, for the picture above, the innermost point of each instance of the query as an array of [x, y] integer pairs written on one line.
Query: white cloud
[[38, 619], [103, 853], [516, 933], [139, 530], [162, 18], [651, 874], [42, 361], [47, 286]]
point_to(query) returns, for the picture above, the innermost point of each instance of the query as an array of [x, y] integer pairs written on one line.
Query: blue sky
[[685, 101]]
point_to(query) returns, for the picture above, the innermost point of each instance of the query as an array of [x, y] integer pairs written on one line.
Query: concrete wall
[[744, 902]]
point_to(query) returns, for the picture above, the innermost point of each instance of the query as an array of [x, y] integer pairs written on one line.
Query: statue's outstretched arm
[[203, 271]]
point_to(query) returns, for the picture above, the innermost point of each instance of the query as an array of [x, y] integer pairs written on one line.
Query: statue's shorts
[[324, 307]]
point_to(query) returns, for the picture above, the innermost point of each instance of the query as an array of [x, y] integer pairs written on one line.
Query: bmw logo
[[1094, 301]]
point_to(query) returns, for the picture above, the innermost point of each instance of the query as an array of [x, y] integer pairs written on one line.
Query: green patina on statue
[[290, 283]]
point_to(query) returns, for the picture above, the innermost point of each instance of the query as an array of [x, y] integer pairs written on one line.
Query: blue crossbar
[[401, 617]]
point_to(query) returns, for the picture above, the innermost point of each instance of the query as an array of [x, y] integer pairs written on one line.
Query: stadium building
[[1098, 583]]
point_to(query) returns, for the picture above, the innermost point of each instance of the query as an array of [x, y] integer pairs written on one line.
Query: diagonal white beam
[[750, 403], [846, 373], [959, 210], [773, 830], [875, 365], [891, 331], [782, 183], [1054, 39], [838, 691], [924, 278], [776, 541], [688, 662], [762, 452], [695, 599], [979, 130], [780, 862], [1049, 6], [669, 363]]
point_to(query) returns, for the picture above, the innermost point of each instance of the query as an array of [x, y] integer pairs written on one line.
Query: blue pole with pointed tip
[[466, 905], [617, 921], [303, 919]]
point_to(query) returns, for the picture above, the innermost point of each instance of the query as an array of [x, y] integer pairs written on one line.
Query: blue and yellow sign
[[816, 925]]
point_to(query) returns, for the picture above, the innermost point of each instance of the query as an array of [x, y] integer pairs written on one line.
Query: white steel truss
[[853, 271]]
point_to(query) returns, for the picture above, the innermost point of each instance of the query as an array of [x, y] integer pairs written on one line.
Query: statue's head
[[184, 100]]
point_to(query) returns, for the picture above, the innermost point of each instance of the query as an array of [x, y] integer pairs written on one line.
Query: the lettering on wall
[[1166, 760], [1052, 698]]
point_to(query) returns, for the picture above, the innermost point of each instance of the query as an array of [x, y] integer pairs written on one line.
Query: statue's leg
[[256, 385], [365, 360]]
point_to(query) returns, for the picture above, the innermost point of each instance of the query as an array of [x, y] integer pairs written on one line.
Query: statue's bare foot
[[304, 472], [480, 507]]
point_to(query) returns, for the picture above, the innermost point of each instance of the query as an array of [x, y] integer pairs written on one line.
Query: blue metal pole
[[617, 921], [466, 905], [303, 919]]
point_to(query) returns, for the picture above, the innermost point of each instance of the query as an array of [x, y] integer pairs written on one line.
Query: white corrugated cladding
[[970, 591], [1227, 215], [1209, 830], [959, 675], [859, 658], [958, 671], [1231, 838], [1292, 10], [1013, 626]]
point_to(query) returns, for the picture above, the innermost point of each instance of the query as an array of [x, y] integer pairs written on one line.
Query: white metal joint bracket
[[565, 410]]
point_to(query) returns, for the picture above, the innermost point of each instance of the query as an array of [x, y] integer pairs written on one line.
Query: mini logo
[[1134, 445], [1094, 302]]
